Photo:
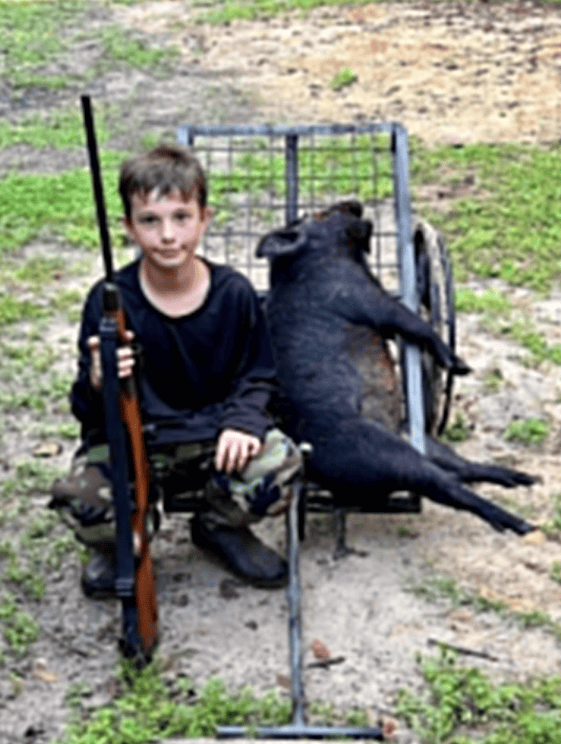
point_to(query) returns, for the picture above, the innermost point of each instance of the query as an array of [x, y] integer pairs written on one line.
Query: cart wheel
[[435, 288]]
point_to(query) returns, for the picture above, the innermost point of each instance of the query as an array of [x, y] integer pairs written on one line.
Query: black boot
[[242, 552], [99, 575]]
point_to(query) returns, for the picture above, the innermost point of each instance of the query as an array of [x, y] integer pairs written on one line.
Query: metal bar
[[291, 176], [266, 130], [293, 731], [412, 353], [298, 729]]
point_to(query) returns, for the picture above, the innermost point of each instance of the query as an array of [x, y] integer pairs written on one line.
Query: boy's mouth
[[169, 252]]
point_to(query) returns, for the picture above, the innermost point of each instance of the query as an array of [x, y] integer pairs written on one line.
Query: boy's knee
[[83, 500], [266, 481]]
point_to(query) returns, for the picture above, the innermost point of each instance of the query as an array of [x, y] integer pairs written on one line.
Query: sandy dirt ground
[[451, 73]]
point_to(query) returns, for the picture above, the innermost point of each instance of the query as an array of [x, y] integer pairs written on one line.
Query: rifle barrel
[[97, 186]]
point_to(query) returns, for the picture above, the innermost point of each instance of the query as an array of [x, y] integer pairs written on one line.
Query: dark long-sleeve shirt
[[201, 373]]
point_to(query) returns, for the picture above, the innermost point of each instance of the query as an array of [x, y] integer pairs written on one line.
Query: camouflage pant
[[84, 499]]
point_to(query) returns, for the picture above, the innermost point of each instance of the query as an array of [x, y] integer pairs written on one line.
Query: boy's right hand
[[125, 359]]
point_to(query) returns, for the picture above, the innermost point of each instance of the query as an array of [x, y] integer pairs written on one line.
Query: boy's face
[[167, 228]]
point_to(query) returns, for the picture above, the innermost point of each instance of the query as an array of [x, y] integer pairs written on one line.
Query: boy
[[207, 375]]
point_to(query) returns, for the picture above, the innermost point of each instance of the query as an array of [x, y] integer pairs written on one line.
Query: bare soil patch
[[449, 72], [456, 72]]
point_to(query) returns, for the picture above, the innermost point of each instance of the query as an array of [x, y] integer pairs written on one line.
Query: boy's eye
[[181, 216], [148, 219]]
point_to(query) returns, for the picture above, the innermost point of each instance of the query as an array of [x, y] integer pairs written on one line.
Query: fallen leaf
[[42, 673], [535, 537], [47, 449], [283, 681], [388, 726], [320, 650], [228, 590]]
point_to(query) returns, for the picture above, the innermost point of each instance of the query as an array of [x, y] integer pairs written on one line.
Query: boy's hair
[[165, 168]]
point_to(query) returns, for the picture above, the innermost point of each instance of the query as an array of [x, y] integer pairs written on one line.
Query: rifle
[[136, 589]]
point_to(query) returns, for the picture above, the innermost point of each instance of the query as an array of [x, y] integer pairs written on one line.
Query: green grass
[[461, 705], [58, 204], [59, 129], [20, 629], [147, 712], [13, 310], [502, 317], [333, 165], [36, 34], [553, 528], [342, 79], [250, 10], [32, 35], [492, 301], [434, 588], [513, 230], [457, 431], [529, 431], [123, 49]]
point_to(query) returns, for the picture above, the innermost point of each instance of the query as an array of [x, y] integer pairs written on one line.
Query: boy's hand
[[235, 449], [125, 359]]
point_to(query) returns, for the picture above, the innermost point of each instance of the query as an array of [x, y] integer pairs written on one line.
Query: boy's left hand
[[235, 449]]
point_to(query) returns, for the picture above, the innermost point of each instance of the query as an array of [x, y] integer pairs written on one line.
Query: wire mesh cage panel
[[264, 177]]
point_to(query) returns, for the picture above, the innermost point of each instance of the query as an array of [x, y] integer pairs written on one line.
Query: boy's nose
[[167, 233]]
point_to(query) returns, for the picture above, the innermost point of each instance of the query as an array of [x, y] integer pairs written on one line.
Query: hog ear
[[280, 243], [360, 231]]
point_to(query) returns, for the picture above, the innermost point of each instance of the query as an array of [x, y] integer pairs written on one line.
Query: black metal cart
[[263, 177]]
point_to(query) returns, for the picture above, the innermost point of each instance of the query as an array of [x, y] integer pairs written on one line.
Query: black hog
[[329, 319]]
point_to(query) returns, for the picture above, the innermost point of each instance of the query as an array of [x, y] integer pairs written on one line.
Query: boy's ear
[[208, 214], [128, 228]]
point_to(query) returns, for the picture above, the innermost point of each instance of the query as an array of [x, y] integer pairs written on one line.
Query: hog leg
[[472, 472], [377, 461], [365, 303]]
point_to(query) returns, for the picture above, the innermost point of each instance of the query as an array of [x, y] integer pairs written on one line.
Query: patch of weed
[[459, 430], [13, 310], [555, 571], [32, 35], [553, 528], [40, 270], [529, 431], [64, 430], [513, 230], [491, 301], [69, 303], [536, 343], [434, 588], [60, 204], [459, 702], [20, 629], [342, 79], [122, 48], [146, 711], [225, 12], [493, 380], [35, 476], [60, 129], [26, 575], [499, 312]]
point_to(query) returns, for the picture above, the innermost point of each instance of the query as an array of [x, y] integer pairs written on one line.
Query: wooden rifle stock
[[140, 616], [145, 586]]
